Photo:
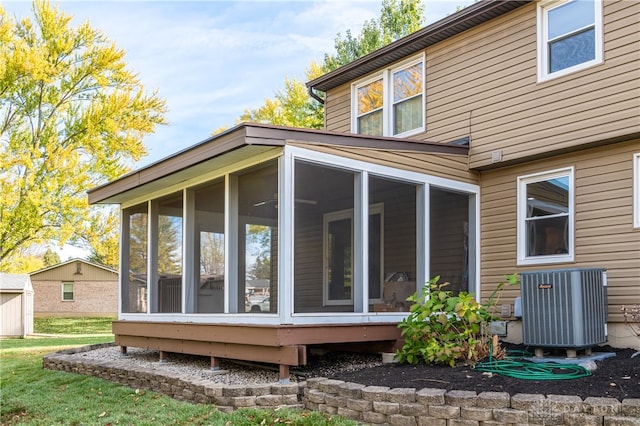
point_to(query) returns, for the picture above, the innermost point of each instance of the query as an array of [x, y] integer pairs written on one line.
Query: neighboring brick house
[[75, 288]]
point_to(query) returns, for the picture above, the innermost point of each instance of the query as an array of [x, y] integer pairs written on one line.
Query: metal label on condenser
[[544, 286]]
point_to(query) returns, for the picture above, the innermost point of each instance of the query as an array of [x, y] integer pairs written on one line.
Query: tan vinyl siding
[[604, 234], [483, 84], [338, 109], [441, 165], [71, 271]]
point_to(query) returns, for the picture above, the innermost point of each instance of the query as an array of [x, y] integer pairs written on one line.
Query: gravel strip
[[233, 372]]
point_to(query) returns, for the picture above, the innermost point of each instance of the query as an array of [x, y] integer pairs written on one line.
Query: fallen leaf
[[104, 413]]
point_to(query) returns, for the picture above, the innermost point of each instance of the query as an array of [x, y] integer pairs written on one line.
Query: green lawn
[[79, 325], [31, 395]]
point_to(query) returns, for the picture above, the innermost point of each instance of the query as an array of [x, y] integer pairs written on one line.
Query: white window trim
[[387, 106], [636, 190], [340, 215], [523, 181], [543, 52], [73, 292]]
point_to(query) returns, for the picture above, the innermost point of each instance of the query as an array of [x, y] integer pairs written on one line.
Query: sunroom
[[263, 241]]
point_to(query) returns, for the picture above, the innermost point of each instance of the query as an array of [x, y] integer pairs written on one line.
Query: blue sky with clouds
[[211, 60]]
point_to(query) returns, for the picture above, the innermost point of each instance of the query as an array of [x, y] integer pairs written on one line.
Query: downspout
[[314, 95]]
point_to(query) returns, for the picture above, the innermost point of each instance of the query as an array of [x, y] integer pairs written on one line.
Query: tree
[[398, 18], [295, 108], [50, 258], [71, 117], [103, 238], [292, 106], [259, 243], [211, 253]]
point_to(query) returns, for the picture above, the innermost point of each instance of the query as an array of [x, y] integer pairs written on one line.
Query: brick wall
[[95, 298]]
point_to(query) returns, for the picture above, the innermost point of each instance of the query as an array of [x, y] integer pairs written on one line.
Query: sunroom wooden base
[[284, 345]]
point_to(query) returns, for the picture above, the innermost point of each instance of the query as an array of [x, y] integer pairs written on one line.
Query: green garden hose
[[519, 368]]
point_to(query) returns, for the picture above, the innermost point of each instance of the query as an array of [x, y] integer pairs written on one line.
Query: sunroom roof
[[244, 141]]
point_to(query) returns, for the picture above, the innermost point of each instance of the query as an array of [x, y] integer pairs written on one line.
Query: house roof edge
[[256, 134], [447, 27]]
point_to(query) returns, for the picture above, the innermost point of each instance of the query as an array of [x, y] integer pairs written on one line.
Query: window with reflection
[[210, 244], [134, 283], [407, 98], [569, 35], [545, 210], [392, 102], [370, 100], [258, 239], [169, 253]]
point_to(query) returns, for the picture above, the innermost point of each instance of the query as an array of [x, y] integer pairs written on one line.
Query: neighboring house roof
[[467, 18], [245, 140], [15, 283], [75, 260]]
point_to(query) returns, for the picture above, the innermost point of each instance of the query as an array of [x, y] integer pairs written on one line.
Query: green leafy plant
[[447, 328]]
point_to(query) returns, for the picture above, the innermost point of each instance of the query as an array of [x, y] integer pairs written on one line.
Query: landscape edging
[[370, 404]]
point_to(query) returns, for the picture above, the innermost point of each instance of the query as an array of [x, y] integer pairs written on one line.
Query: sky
[[211, 60]]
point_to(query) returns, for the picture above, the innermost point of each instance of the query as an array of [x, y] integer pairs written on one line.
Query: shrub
[[443, 328]]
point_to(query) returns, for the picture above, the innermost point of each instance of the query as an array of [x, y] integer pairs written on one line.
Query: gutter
[[314, 95]]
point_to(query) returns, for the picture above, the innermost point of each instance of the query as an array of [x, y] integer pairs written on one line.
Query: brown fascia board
[[247, 134], [454, 24]]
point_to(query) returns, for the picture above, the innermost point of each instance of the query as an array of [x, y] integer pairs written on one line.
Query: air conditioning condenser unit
[[564, 308]]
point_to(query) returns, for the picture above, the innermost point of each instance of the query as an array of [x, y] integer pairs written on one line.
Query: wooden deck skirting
[[284, 345]]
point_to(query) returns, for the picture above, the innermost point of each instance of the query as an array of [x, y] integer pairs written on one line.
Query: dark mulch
[[617, 377]]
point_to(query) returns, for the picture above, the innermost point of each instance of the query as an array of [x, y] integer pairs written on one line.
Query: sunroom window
[[166, 219], [545, 211], [391, 103], [569, 36], [210, 248], [303, 234], [135, 238], [257, 237], [336, 267]]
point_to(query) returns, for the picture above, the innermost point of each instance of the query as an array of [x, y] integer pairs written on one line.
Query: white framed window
[[391, 103], [546, 217], [569, 36], [339, 255], [67, 291], [636, 190]]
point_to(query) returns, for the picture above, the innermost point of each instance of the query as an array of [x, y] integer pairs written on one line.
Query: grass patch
[[32, 395], [75, 325], [49, 344]]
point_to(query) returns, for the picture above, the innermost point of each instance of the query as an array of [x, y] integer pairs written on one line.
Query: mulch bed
[[616, 377]]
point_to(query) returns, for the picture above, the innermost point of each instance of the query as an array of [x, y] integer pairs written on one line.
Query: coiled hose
[[514, 365]]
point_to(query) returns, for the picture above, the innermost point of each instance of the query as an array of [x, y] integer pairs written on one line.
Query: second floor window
[[569, 36], [392, 102]]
